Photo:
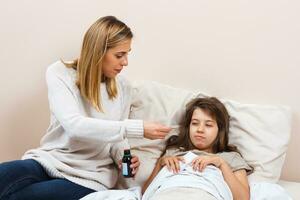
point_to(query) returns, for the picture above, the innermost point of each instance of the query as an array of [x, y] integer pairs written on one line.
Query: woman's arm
[[65, 107]]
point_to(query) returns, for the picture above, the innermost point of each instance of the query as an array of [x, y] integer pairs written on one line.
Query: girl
[[89, 104], [201, 163]]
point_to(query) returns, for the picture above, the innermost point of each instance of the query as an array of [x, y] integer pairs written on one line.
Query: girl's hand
[[201, 162], [135, 164], [172, 162], [154, 130]]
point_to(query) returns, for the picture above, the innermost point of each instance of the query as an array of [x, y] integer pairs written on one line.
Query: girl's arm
[[155, 171], [237, 182], [172, 163]]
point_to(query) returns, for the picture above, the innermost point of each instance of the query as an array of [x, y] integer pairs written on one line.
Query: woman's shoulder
[[58, 73], [59, 69]]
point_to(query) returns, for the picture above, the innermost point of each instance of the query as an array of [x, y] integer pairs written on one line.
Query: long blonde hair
[[107, 32]]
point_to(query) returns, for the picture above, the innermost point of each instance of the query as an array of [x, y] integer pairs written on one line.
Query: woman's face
[[203, 130], [115, 59]]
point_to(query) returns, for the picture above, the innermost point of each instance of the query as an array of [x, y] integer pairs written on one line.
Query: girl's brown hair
[[216, 110]]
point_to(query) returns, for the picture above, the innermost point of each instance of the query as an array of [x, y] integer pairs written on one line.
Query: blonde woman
[[89, 104]]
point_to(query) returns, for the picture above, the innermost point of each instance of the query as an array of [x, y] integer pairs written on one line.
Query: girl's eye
[[209, 125], [119, 56], [194, 123]]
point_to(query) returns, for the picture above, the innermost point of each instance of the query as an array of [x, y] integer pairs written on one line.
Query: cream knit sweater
[[82, 144]]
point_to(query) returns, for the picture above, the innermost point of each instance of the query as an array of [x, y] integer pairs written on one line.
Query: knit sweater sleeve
[[64, 106]]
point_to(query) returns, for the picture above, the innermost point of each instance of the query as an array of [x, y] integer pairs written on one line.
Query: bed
[[292, 188], [261, 132]]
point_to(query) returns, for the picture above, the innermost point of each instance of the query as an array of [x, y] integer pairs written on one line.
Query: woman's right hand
[[153, 130], [172, 162]]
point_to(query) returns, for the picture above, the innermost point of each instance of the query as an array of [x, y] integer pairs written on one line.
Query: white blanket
[[212, 182], [129, 194], [268, 191], [258, 191]]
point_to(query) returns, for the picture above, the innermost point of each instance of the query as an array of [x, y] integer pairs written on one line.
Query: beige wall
[[242, 50]]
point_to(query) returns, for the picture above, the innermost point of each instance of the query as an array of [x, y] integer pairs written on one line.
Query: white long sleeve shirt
[[81, 143]]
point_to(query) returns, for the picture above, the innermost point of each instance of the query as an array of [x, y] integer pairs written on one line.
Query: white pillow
[[261, 133], [153, 102]]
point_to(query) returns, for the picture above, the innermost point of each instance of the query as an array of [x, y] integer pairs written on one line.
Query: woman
[[89, 104]]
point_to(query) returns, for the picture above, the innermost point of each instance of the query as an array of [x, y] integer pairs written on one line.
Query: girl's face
[[203, 130], [115, 59]]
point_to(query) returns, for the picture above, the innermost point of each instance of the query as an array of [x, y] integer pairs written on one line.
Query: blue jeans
[[27, 180]]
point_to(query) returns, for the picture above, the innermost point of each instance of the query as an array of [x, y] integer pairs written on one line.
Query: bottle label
[[124, 169]]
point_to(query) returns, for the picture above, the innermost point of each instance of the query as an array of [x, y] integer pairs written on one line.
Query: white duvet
[[210, 180]]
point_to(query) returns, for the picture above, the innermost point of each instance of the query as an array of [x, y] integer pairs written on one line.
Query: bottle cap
[[127, 152]]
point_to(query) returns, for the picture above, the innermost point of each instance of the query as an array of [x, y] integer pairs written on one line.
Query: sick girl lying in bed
[[199, 163]]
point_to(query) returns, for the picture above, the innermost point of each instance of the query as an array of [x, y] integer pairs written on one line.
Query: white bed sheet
[[258, 192], [292, 188]]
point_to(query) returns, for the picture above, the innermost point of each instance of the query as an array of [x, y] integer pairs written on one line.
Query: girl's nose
[[200, 128]]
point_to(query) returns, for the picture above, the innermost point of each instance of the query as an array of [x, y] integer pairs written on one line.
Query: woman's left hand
[[135, 164], [200, 162]]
